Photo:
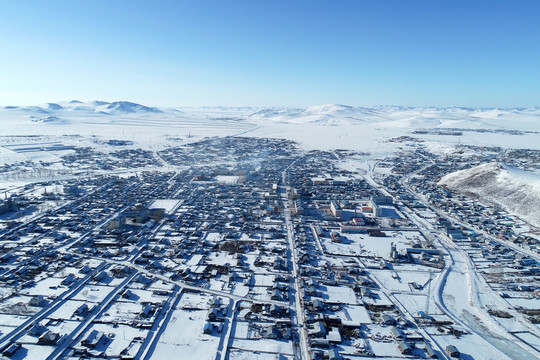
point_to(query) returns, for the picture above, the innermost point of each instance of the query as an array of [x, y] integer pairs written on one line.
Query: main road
[[299, 316]]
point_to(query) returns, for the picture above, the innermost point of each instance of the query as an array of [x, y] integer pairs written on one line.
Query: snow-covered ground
[[320, 127], [51, 131]]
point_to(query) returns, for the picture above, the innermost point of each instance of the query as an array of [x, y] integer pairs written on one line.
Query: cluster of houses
[[91, 159], [121, 262], [486, 247]]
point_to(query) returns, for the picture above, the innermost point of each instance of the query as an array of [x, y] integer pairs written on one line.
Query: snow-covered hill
[[89, 107], [324, 127], [512, 189], [328, 114], [129, 107]]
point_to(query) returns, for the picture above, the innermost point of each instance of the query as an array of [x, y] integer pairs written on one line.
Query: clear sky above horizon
[[272, 53]]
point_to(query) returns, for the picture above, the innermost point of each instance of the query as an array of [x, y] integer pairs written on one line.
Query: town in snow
[[329, 232]]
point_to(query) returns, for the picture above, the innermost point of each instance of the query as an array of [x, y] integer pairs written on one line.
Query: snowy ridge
[[514, 190], [403, 117], [129, 107], [327, 114], [91, 106]]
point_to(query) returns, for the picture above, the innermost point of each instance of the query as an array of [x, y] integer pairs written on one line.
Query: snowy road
[[461, 293], [298, 316]]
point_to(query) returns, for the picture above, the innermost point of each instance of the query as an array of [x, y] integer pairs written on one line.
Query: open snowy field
[[365, 245], [183, 336]]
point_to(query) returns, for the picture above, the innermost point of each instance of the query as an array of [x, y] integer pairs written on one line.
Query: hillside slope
[[512, 189]]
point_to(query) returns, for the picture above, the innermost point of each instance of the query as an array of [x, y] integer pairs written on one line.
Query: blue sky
[[272, 53]]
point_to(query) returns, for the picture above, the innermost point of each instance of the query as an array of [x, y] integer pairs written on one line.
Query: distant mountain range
[[93, 106], [328, 114]]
